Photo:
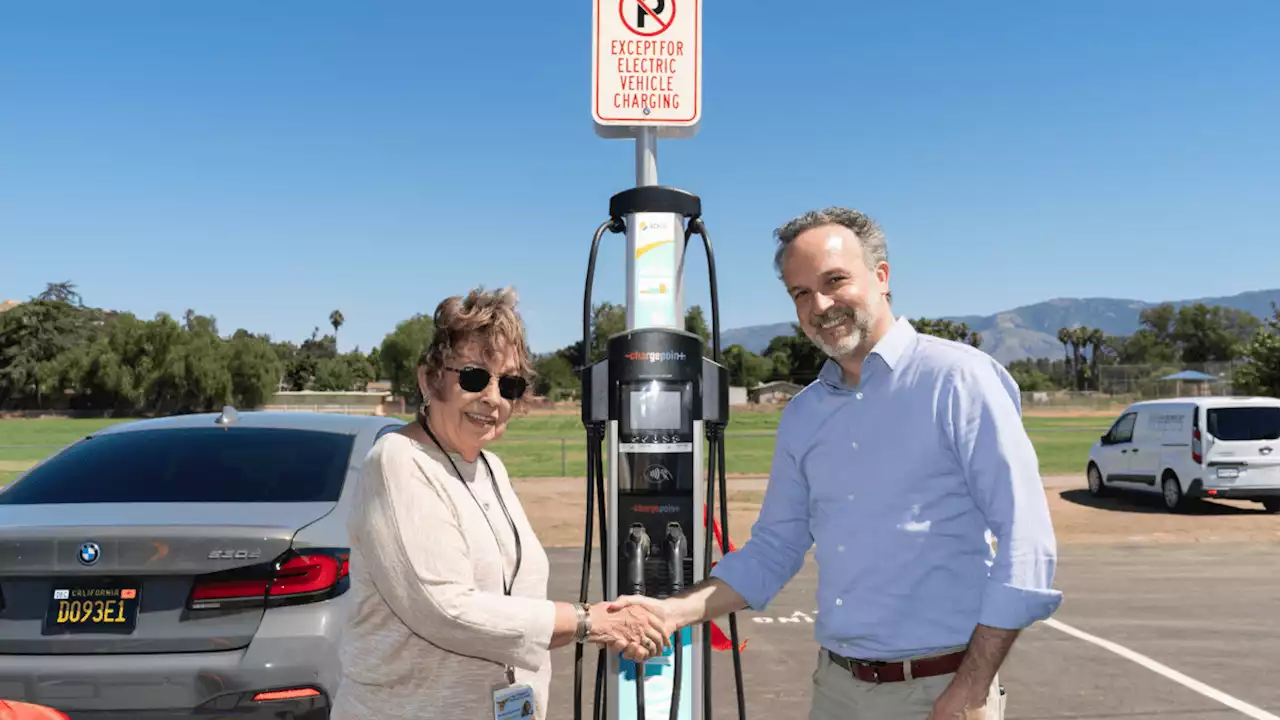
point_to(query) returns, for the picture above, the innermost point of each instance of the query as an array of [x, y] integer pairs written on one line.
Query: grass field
[[552, 445]]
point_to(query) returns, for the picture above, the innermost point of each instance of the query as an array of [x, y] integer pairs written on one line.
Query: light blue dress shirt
[[894, 483]]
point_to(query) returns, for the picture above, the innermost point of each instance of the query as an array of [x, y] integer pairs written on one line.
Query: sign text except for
[[646, 70]]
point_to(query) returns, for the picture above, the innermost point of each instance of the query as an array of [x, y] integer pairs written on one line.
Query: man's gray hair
[[874, 248]]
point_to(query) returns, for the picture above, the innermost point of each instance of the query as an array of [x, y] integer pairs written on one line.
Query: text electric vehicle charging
[[646, 406]]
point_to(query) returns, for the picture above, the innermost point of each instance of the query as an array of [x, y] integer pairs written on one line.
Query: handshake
[[637, 626]]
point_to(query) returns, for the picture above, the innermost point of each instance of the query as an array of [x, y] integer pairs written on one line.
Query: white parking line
[[1174, 675]]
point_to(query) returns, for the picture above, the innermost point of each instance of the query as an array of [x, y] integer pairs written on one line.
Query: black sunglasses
[[476, 379]]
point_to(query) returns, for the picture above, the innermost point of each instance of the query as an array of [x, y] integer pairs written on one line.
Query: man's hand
[[966, 697], [658, 610], [957, 703], [638, 630]]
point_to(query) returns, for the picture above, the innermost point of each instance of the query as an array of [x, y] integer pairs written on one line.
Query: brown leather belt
[[875, 671]]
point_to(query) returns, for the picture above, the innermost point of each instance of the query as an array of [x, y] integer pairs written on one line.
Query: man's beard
[[858, 332]]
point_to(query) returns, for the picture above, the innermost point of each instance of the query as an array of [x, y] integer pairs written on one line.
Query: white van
[[1198, 447]]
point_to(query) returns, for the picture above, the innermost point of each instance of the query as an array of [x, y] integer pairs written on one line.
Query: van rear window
[[1242, 424]]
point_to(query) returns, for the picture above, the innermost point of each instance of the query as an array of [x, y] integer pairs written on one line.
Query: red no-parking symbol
[[647, 17]]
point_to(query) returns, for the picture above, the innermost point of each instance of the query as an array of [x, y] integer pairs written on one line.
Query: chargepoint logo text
[[667, 356], [654, 509]]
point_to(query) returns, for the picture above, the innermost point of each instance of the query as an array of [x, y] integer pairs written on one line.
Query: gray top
[[431, 633]]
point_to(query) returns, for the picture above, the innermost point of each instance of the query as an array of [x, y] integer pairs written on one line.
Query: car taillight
[[309, 573], [229, 590], [295, 577], [1195, 446]]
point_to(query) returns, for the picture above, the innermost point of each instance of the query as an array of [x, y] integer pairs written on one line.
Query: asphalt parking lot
[[1205, 610]]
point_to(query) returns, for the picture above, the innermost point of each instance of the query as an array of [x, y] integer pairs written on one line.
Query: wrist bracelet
[[584, 623]]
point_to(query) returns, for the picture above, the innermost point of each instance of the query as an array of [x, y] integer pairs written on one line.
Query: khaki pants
[[838, 695]]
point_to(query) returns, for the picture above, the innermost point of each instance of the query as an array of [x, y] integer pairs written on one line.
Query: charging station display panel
[[655, 409], [656, 436]]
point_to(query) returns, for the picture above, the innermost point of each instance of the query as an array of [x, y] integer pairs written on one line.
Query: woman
[[450, 614]]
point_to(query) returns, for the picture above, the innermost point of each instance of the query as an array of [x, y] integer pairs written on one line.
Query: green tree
[[948, 329], [780, 362], [1084, 349], [556, 379], [1260, 373], [399, 355], [746, 369], [1212, 334], [1160, 321], [1033, 375], [1144, 347], [34, 337], [696, 323], [255, 370], [795, 357], [607, 320], [344, 373]]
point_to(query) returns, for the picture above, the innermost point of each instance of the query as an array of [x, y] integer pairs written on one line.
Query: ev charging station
[[650, 403]]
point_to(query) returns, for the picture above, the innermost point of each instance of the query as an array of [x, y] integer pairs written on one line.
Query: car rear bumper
[[304, 709], [294, 648], [1198, 490], [159, 687]]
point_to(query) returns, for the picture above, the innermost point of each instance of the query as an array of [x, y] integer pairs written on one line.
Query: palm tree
[[1079, 341], [336, 320], [1064, 337], [1095, 339]]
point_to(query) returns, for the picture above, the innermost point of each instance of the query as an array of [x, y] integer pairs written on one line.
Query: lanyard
[[506, 587]]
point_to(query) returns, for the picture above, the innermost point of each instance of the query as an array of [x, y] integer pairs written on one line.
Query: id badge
[[513, 702]]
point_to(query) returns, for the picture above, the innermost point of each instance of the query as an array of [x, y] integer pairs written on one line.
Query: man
[[894, 463]]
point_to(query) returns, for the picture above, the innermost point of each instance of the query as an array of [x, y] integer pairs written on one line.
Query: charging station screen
[[655, 409]]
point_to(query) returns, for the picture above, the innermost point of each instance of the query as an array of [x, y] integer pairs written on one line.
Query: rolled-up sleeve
[[418, 558], [779, 539], [1003, 475]]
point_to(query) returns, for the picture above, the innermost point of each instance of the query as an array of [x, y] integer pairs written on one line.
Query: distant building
[[349, 403], [778, 391]]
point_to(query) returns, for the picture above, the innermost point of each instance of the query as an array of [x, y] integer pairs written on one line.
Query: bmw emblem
[[89, 553]]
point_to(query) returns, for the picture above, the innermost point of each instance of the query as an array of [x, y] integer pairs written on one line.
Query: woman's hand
[[638, 632]]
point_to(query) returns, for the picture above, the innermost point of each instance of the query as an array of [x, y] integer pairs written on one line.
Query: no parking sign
[[647, 64]]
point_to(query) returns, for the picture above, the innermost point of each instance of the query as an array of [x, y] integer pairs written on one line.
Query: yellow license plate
[[92, 609]]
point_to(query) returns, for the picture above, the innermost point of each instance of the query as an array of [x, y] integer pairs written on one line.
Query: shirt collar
[[892, 349]]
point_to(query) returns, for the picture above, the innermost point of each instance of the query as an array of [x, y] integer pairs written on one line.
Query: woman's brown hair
[[488, 318]]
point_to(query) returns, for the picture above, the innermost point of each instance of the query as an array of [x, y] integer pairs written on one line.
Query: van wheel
[[1272, 505], [1172, 493], [1096, 488]]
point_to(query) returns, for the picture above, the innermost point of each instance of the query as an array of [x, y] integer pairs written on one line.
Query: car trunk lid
[[126, 578]]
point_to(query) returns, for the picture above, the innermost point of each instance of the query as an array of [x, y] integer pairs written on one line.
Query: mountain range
[[1031, 331]]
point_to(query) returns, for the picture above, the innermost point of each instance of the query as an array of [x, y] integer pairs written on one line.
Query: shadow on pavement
[[1138, 502]]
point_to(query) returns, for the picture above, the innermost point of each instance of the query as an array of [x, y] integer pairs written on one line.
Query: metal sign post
[[646, 78], [650, 404]]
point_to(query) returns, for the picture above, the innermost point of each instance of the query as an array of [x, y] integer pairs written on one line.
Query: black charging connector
[[676, 549], [636, 551]]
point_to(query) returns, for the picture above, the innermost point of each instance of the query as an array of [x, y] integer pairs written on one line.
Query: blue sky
[[378, 157]]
